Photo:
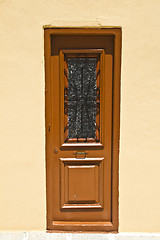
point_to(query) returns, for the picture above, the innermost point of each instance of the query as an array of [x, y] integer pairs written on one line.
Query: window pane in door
[[81, 99]]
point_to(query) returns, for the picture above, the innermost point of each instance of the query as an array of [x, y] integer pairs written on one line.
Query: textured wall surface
[[22, 134]]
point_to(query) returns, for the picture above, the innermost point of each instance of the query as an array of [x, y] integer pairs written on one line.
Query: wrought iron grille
[[82, 99]]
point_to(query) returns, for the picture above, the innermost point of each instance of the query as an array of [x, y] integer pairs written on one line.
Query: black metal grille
[[80, 96]]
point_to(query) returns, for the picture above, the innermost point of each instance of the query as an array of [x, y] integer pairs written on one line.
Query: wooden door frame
[[117, 33]]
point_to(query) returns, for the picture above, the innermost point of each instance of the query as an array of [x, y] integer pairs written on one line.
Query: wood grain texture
[[106, 218], [76, 173]]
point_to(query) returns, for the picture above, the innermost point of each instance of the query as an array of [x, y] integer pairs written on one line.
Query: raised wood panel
[[79, 176], [81, 183]]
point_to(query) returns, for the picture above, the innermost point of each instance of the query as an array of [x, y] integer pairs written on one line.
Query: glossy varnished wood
[[98, 53], [83, 217], [86, 172]]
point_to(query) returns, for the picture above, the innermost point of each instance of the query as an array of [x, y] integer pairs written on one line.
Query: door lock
[[55, 150]]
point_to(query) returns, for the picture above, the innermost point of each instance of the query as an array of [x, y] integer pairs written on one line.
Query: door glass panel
[[81, 98]]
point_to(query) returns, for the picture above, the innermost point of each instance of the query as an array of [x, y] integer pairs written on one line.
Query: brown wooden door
[[79, 129]]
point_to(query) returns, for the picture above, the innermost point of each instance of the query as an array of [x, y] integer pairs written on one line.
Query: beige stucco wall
[[22, 135]]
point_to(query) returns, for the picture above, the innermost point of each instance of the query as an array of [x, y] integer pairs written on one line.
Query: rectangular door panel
[[81, 183], [81, 94]]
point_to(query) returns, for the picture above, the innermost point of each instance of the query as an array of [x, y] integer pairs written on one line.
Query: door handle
[[80, 155]]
